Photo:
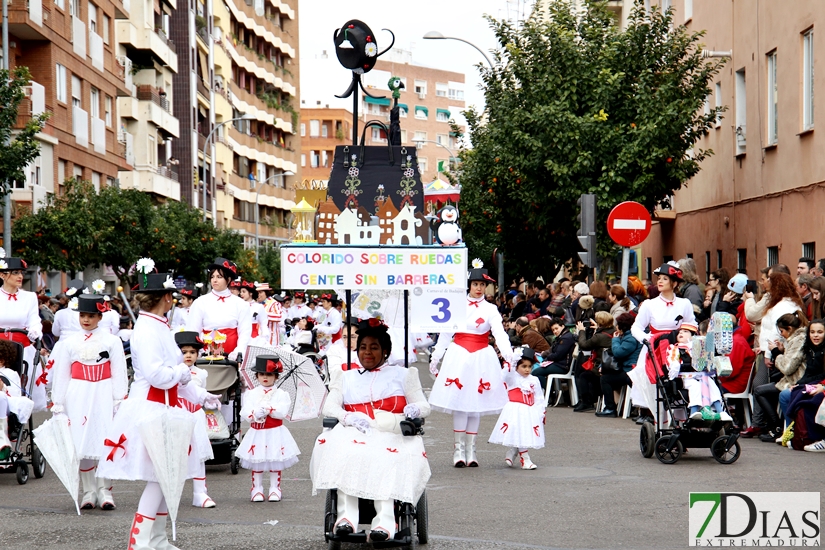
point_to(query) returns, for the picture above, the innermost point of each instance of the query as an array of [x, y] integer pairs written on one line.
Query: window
[[108, 108], [60, 4], [92, 18], [153, 151], [106, 23], [741, 112], [772, 104], [718, 259], [402, 111], [94, 102], [689, 255], [706, 109], [314, 159], [324, 130], [666, 5], [688, 10], [378, 134], [718, 104], [441, 89], [303, 161], [773, 255], [809, 250], [421, 112], [303, 129], [456, 92], [422, 164], [314, 128], [707, 265], [419, 139], [76, 88], [808, 80], [442, 139], [324, 159], [741, 260], [441, 116], [96, 181], [421, 87], [60, 72], [403, 137]]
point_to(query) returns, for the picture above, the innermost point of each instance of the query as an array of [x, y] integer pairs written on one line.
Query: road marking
[[630, 224]]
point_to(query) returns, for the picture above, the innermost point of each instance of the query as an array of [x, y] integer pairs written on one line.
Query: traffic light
[[587, 229]]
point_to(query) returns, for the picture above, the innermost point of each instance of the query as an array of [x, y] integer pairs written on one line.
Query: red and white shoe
[[257, 492], [274, 486], [526, 463], [510, 456], [140, 535]]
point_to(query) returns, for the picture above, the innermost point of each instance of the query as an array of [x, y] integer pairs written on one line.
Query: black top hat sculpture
[[357, 50]]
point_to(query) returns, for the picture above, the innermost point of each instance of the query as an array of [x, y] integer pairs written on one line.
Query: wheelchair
[[412, 520]]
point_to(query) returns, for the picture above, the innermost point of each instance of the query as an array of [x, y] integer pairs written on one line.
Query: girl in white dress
[[12, 399], [89, 384], [365, 455], [267, 445], [469, 384], [520, 425], [260, 325]]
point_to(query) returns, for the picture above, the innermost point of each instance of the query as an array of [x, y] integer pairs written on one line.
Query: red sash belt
[[18, 337], [231, 338], [159, 396], [337, 336], [188, 405], [472, 342], [91, 373], [254, 330], [518, 396], [393, 404], [268, 423]]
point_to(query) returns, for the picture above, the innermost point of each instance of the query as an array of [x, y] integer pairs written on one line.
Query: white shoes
[[725, 417], [202, 500], [159, 539], [104, 494], [458, 452], [470, 450], [89, 483], [274, 486], [510, 456], [526, 463], [817, 447], [696, 416], [257, 492], [140, 536]]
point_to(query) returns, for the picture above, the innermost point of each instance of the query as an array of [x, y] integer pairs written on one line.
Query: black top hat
[[278, 298], [228, 269], [332, 297], [478, 273], [268, 364], [356, 47], [75, 286], [190, 291], [92, 303], [188, 338], [671, 269], [528, 353], [13, 264], [155, 282]]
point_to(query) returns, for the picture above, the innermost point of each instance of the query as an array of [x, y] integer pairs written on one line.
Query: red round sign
[[628, 224]]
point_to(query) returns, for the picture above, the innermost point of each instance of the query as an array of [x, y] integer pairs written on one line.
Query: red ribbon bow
[[274, 366], [472, 303], [667, 304], [186, 292], [322, 441], [252, 450], [24, 264], [13, 296], [115, 447], [504, 427], [103, 307], [451, 381], [536, 430], [222, 298], [482, 385], [230, 267], [42, 379], [373, 322], [392, 450]]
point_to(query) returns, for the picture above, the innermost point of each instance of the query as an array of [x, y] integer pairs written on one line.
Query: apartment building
[[322, 129], [759, 199]]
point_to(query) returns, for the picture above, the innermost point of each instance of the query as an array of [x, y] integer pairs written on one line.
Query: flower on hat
[[373, 322], [71, 291], [145, 265], [2, 252], [3, 265], [198, 285], [87, 291], [106, 298], [168, 283], [371, 49], [98, 286], [73, 303], [477, 264]]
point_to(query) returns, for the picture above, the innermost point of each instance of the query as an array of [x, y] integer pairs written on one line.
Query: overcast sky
[[409, 21]]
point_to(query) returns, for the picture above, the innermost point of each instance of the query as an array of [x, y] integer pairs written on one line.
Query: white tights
[[151, 501], [466, 422], [87, 464], [4, 405]]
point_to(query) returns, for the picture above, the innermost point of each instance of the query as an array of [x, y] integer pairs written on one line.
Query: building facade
[[759, 199], [322, 129]]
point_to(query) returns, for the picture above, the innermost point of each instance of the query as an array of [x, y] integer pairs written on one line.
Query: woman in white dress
[[19, 310], [470, 383], [160, 379], [89, 384], [260, 326], [365, 455], [663, 314]]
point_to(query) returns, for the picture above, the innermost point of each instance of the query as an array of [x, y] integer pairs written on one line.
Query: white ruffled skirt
[[520, 426], [89, 406], [469, 382], [268, 449]]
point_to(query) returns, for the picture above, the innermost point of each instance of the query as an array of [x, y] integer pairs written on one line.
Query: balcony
[[261, 151], [148, 39], [250, 63], [99, 135], [247, 103], [202, 89], [122, 9], [150, 180], [246, 16], [127, 140], [153, 94], [80, 126], [124, 71], [148, 108], [36, 12], [96, 50], [79, 37]]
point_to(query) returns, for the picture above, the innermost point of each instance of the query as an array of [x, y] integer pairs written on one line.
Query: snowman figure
[[446, 230]]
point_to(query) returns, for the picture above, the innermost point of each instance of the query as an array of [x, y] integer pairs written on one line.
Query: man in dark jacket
[[529, 336], [556, 360], [519, 305]]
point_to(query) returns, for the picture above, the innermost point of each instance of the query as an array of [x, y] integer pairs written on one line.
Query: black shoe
[[579, 406], [378, 535], [643, 419], [587, 408], [343, 530], [770, 436], [608, 413]]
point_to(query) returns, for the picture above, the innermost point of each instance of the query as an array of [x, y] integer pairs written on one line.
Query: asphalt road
[[592, 489]]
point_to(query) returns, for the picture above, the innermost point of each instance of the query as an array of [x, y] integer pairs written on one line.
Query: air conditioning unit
[[422, 95]]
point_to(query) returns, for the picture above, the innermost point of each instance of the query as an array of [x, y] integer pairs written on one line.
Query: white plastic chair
[[627, 405], [555, 380], [746, 397]]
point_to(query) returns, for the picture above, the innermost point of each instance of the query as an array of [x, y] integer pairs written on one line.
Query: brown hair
[[636, 287], [604, 319], [782, 286], [8, 354], [542, 325], [625, 321], [148, 300], [723, 276], [793, 321], [598, 290], [618, 292], [818, 306]]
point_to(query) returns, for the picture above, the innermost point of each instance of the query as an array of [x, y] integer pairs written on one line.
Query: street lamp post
[[435, 35], [252, 180], [205, 146]]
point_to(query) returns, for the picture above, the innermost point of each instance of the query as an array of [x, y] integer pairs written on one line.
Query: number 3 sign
[[437, 309]]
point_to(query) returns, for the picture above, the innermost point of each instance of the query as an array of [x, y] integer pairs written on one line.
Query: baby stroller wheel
[[665, 456], [330, 512], [647, 439], [234, 464], [721, 453], [22, 472], [421, 520], [38, 462]]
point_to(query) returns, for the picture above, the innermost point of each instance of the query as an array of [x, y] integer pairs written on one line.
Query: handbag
[[216, 425], [374, 178], [609, 362], [588, 365]]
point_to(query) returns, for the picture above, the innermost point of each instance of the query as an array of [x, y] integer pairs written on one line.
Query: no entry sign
[[628, 224]]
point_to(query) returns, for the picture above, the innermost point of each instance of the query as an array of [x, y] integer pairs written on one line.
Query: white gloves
[[34, 334], [185, 375], [233, 356], [58, 409], [359, 421], [116, 407], [673, 370], [261, 412], [412, 411], [212, 402], [434, 367]]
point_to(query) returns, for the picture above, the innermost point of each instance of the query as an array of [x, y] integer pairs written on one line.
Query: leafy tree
[[22, 146], [575, 105]]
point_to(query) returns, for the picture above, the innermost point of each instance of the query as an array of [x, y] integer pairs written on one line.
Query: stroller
[[412, 520], [24, 451], [669, 441], [224, 379]]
